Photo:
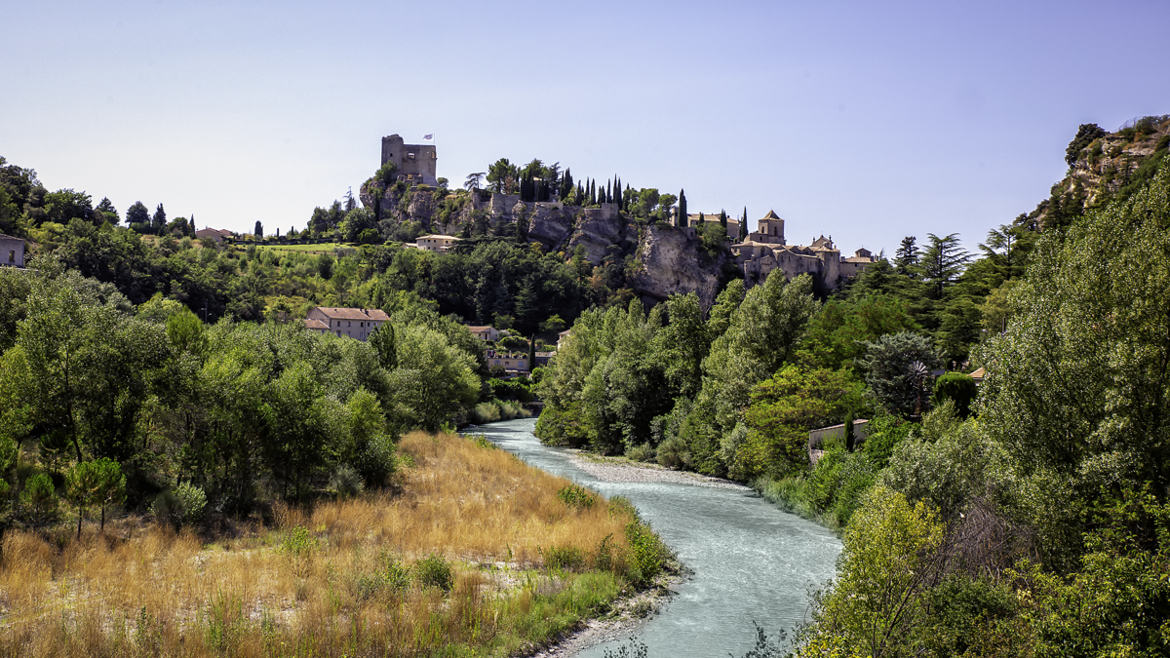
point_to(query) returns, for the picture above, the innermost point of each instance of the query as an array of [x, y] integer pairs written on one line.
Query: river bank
[[747, 560]]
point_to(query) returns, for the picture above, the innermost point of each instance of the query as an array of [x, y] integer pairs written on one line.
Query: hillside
[[1104, 167]]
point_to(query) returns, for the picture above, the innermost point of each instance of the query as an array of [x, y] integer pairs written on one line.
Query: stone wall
[[415, 162]]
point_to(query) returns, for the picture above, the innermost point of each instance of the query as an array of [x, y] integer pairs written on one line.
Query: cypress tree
[[682, 209], [723, 220], [743, 232]]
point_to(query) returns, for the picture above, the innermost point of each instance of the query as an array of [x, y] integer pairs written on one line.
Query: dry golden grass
[[334, 580]]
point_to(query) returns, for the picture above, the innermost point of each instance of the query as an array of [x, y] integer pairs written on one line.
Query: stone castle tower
[[415, 162]]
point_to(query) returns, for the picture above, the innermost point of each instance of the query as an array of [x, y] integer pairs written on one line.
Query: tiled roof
[[353, 313], [771, 215], [436, 236], [5, 236], [313, 323]]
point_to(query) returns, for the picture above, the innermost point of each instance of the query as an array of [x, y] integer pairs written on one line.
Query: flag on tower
[[428, 137]]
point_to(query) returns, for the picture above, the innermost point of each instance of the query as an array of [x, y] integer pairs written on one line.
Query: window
[[11, 255], [410, 155]]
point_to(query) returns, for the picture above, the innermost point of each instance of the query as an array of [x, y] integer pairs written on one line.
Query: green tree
[[783, 409], [1079, 375], [39, 498], [473, 180], [502, 175], [897, 370], [106, 212], [158, 222], [957, 387], [99, 482], [681, 217], [1086, 133], [258, 230], [907, 257], [942, 262], [760, 337], [877, 606], [837, 334], [64, 205], [382, 340], [138, 217]]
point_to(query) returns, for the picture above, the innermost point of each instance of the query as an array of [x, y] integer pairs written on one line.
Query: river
[[750, 560]]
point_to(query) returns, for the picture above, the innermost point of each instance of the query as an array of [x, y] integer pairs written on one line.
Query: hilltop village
[[668, 249]]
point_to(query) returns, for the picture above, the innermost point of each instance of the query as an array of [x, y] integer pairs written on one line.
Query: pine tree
[[906, 258], [158, 223]]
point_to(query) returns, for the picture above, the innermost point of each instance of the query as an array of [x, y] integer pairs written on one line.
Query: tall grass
[[477, 554]]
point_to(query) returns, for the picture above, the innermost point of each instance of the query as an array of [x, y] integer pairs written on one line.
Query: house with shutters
[[357, 323]]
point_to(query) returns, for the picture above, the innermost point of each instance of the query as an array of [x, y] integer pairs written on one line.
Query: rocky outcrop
[[665, 260], [1105, 167], [671, 261]]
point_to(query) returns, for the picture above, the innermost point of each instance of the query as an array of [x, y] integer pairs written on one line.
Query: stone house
[[213, 234], [416, 162], [708, 218], [436, 243], [516, 362], [485, 333], [355, 323], [11, 251]]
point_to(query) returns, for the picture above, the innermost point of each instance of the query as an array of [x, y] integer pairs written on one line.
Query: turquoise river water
[[750, 560]]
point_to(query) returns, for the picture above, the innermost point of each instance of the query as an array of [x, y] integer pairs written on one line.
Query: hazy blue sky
[[864, 120]]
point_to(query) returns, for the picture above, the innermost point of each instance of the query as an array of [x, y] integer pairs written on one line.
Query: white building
[[11, 251]]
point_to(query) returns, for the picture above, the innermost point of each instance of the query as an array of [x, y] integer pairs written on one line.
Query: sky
[[864, 121]]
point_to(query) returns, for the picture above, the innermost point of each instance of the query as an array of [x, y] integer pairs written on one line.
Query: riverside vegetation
[[1028, 516], [477, 553], [253, 469]]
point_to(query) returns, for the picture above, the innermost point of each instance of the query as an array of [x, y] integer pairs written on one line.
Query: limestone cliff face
[[663, 260], [672, 260], [1105, 167]]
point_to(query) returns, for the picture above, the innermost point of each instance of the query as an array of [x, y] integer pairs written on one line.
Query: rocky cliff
[[1104, 166], [659, 260]]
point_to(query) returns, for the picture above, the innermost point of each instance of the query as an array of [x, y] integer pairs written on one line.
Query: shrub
[[299, 542], [673, 453], [568, 558], [376, 462], [648, 552], [485, 412], [577, 497], [434, 571], [39, 498], [346, 482], [642, 452], [958, 387], [883, 434], [190, 501]]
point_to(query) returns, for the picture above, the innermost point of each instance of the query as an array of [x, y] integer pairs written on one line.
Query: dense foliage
[[102, 400]]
